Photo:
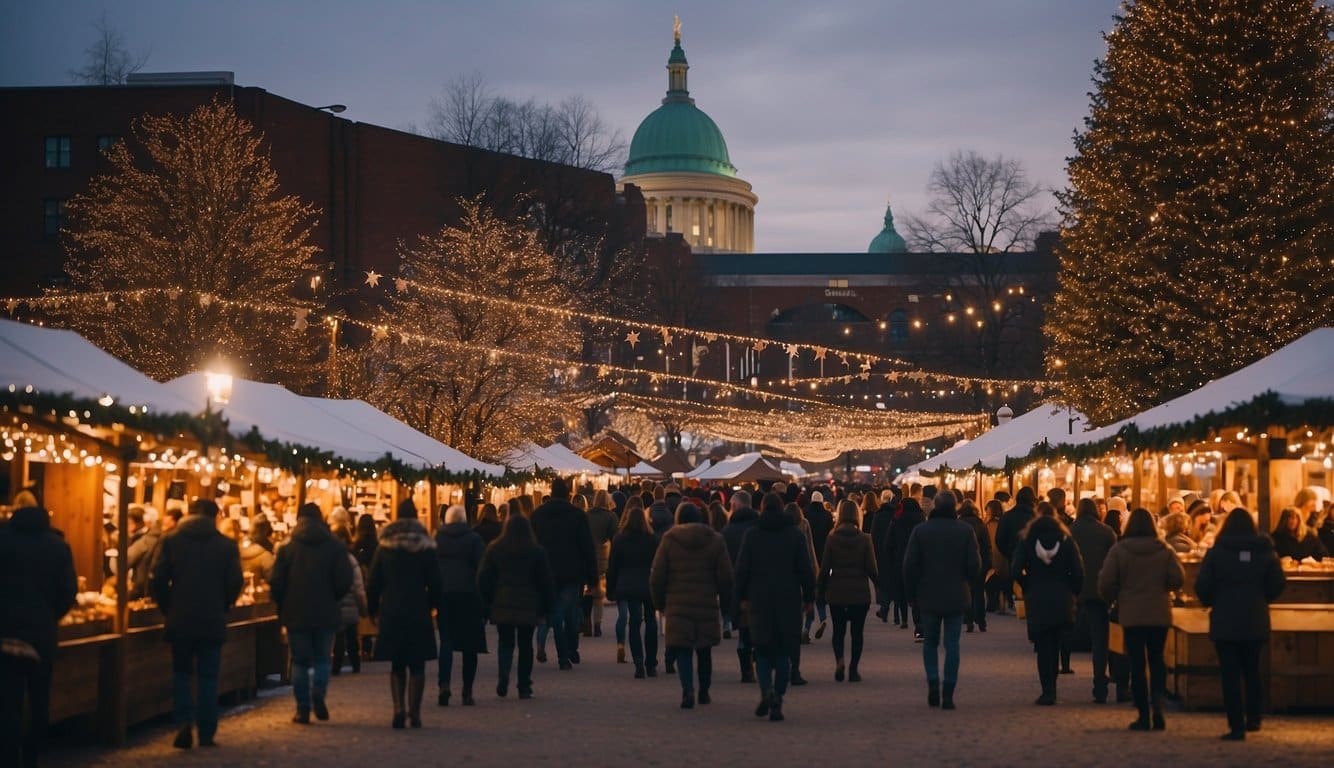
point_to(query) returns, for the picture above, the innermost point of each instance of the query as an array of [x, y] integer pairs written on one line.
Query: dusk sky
[[827, 108]]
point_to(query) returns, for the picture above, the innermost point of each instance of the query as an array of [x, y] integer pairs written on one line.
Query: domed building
[[889, 240], [679, 160]]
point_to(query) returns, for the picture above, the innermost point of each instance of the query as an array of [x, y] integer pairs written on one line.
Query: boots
[[766, 701], [932, 693], [776, 709], [397, 686], [947, 696], [743, 656], [620, 653], [838, 671], [687, 699], [1159, 724], [416, 687], [467, 696]]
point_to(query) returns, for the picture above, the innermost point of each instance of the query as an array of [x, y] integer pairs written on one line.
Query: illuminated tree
[[444, 370], [191, 210], [1200, 209]]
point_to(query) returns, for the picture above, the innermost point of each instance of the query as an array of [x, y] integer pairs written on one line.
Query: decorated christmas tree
[[1199, 228]]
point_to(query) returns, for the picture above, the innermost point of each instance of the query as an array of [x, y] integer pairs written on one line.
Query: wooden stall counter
[[1305, 583]]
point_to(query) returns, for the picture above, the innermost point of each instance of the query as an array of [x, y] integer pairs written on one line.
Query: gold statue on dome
[[676, 28]]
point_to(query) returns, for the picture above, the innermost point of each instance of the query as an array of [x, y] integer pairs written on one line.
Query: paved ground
[[598, 715]]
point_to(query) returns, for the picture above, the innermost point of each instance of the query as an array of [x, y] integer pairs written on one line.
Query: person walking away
[[939, 567], [743, 518], [404, 587], [1012, 525], [562, 531], [195, 582], [461, 618], [691, 583], [998, 587], [628, 568], [1047, 565], [821, 523], [847, 571], [793, 511], [517, 591], [602, 524], [774, 585], [1094, 540], [351, 609], [1239, 577], [888, 589], [38, 587], [1139, 576], [311, 575], [977, 613], [488, 523], [900, 532]]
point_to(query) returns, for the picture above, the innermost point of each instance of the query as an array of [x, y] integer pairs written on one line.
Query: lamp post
[[334, 108]]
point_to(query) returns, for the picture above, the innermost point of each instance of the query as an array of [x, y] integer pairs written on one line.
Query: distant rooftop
[[1018, 262], [181, 78]]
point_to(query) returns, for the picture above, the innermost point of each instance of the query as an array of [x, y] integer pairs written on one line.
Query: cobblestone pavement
[[599, 715]]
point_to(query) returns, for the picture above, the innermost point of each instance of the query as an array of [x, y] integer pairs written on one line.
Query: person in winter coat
[[628, 568], [896, 544], [365, 541], [661, 514], [1176, 532], [488, 524], [998, 586], [37, 588], [1047, 565], [1292, 537], [820, 522], [743, 518], [1013, 522], [562, 530], [461, 618], [404, 586], [888, 587], [847, 571], [140, 554], [793, 511], [257, 549], [311, 574], [602, 523], [691, 582], [1095, 540], [977, 614], [350, 610], [1139, 576], [939, 568], [1239, 577], [774, 584], [517, 592], [196, 580]]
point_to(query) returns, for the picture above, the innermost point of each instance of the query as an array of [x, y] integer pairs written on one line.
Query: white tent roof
[[59, 362], [1049, 421], [573, 461], [410, 446], [793, 469], [530, 455], [734, 466], [645, 469]]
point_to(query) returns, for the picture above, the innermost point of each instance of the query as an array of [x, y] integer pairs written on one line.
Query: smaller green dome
[[888, 241]]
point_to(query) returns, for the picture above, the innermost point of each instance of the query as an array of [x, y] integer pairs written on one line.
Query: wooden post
[[431, 515], [1136, 482], [1161, 485], [1262, 495], [300, 488]]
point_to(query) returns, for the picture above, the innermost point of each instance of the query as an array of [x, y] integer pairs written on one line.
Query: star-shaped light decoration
[[173, 293], [759, 345], [300, 324], [380, 333], [373, 278], [11, 305], [632, 338], [400, 285], [666, 337], [710, 337], [844, 359], [864, 376], [111, 306], [866, 365], [205, 300], [820, 352], [791, 350]]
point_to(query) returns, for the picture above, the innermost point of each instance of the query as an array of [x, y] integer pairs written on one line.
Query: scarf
[[1046, 555]]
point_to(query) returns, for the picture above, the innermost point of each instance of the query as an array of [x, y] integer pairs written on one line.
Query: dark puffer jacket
[[969, 517], [404, 587], [629, 566], [562, 530], [1095, 540], [734, 532], [848, 567], [941, 562], [460, 550], [1049, 587], [311, 574], [896, 545], [196, 580], [691, 582], [1239, 578], [516, 585], [36, 579], [821, 523], [774, 578], [1139, 575], [1011, 527]]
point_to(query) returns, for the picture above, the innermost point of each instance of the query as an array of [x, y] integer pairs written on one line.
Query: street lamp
[[334, 108], [219, 385]]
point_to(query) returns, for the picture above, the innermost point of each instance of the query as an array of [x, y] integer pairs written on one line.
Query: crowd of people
[[693, 567]]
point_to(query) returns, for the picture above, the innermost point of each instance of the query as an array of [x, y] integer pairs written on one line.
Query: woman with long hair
[[1294, 539], [517, 592], [488, 523], [602, 524], [1139, 575], [847, 571], [628, 570], [1048, 567]]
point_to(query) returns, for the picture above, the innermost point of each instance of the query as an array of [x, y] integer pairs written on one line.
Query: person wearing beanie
[[940, 564], [196, 580], [562, 530], [461, 618], [405, 585]]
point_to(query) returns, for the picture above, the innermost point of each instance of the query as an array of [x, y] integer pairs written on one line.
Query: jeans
[[684, 666], [310, 649], [1095, 615], [979, 613], [445, 672], [845, 615], [1048, 647], [1144, 647], [17, 678], [771, 667], [345, 643], [201, 660], [932, 624], [1238, 662], [643, 645], [510, 636], [622, 611], [563, 622]]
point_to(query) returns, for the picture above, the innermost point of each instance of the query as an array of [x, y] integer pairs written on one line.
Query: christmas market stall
[[743, 468]]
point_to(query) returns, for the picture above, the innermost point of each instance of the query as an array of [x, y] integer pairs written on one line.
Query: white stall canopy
[[1049, 422]]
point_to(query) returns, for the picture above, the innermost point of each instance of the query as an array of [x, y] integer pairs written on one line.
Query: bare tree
[[106, 60]]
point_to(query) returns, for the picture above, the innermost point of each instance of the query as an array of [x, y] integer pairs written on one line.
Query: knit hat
[[1116, 503], [817, 497]]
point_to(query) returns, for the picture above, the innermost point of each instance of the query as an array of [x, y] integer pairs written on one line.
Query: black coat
[[661, 516], [821, 523], [489, 530], [461, 615], [629, 566], [196, 580], [403, 588], [1095, 540], [562, 530], [1049, 588], [310, 576], [37, 580], [775, 577], [1287, 545], [983, 537], [516, 585], [1010, 528], [941, 562], [1326, 534], [896, 547], [1239, 578], [734, 532]]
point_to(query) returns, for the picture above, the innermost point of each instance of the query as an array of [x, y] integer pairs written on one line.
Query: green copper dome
[[678, 136], [888, 241]]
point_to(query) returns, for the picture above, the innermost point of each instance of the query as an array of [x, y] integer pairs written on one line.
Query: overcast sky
[[827, 107]]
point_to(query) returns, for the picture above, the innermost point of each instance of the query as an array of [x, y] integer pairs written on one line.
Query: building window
[[898, 327], [105, 142], [53, 217], [839, 283], [669, 217], [57, 151]]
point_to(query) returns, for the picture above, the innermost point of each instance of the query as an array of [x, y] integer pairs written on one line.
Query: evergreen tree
[[1200, 211]]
